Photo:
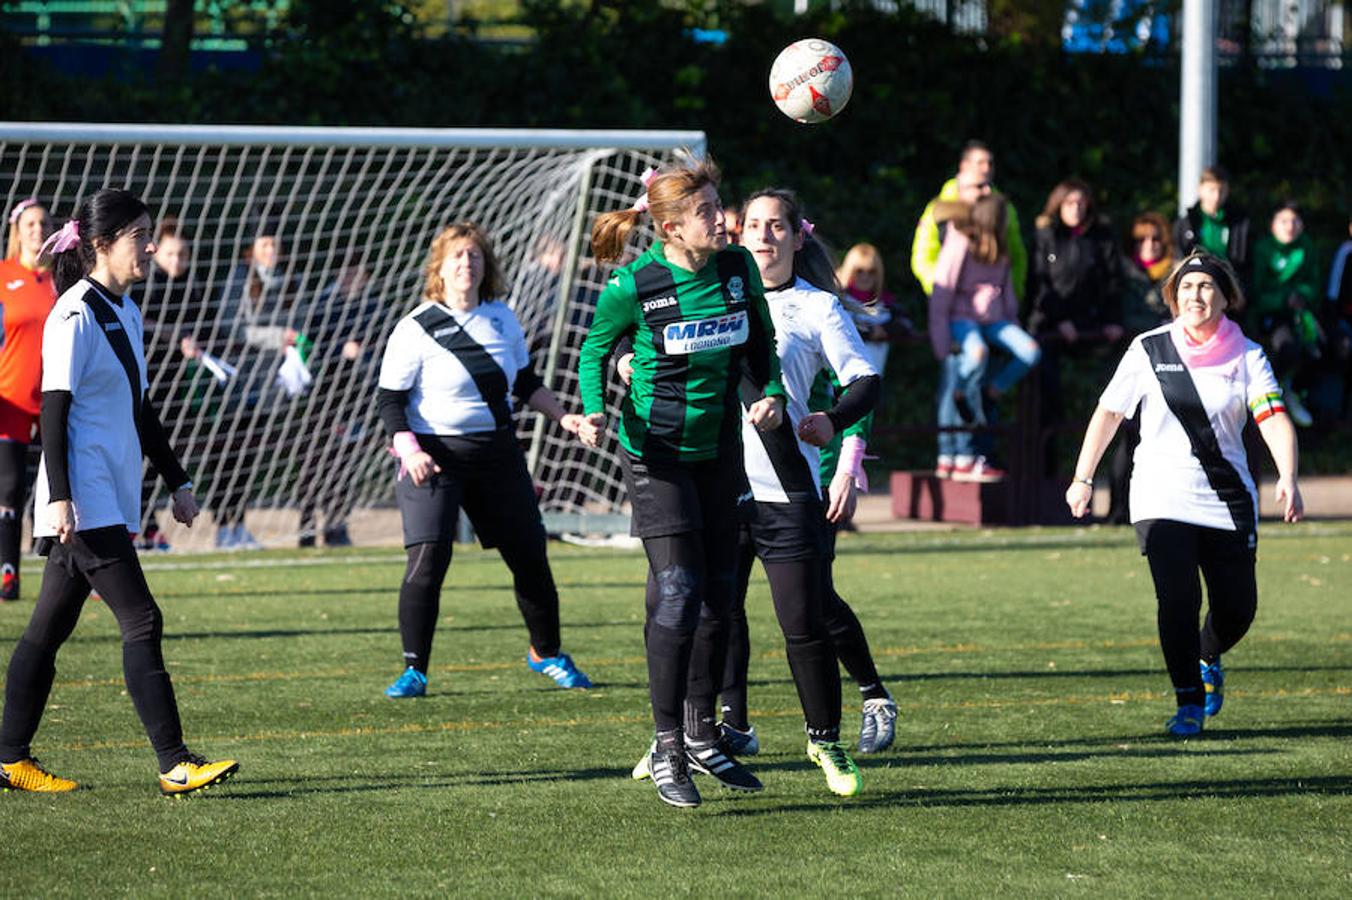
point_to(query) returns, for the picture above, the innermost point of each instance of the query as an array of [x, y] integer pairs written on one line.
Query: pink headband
[[648, 177], [63, 240], [19, 208]]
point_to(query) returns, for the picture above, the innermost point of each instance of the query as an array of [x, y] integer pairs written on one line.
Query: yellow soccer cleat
[[29, 775], [195, 774], [842, 775]]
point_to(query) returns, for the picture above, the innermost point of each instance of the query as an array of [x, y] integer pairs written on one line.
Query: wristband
[[852, 460], [405, 444], [1087, 481], [185, 486]]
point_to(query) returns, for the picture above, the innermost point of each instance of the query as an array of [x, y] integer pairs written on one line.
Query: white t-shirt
[[103, 447], [1167, 479], [812, 333], [443, 398]]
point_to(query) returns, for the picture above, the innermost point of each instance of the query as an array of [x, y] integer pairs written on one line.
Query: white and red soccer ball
[[811, 80]]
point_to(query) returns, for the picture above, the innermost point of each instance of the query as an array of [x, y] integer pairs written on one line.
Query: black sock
[[11, 534], [874, 691], [152, 693], [28, 684]]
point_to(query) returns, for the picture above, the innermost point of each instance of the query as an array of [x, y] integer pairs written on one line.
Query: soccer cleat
[[879, 724], [842, 775], [1187, 722], [195, 774], [560, 668], [1213, 679], [737, 742], [411, 684], [726, 770], [666, 764], [29, 775], [9, 583]]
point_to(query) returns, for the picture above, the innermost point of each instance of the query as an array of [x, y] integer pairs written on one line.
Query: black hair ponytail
[[100, 220], [812, 262]]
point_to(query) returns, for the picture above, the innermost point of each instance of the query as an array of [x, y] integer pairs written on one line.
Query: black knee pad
[[427, 565], [678, 598]]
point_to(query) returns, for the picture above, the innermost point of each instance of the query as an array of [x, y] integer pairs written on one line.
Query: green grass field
[[1029, 759]]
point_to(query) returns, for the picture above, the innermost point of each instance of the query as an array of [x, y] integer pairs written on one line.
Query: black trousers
[[1177, 553], [104, 559]]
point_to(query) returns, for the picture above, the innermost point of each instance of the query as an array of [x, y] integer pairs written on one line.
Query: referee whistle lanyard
[[1223, 347]]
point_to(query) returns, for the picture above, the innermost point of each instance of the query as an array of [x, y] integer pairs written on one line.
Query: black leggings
[[796, 588], [13, 491], [848, 642], [690, 587], [536, 595], [104, 559], [1176, 552]]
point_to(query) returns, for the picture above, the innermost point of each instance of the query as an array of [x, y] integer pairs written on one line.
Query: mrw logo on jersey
[[717, 333]]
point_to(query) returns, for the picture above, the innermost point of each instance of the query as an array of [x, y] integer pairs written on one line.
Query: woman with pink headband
[[26, 297], [1194, 384]]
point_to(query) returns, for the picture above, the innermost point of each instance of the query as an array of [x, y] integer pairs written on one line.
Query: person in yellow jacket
[[976, 168]]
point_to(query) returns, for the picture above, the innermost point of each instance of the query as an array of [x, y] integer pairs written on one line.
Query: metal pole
[[1197, 98]]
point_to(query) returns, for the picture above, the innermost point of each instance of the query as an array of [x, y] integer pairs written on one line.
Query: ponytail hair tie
[[63, 240], [648, 177], [19, 208], [806, 227]]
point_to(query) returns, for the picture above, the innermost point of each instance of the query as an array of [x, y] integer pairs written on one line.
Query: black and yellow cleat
[[195, 774], [29, 775]]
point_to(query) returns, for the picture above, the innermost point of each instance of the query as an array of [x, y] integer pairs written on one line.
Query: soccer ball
[[811, 80]]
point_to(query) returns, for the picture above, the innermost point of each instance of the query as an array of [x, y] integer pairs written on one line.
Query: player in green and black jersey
[[695, 311]]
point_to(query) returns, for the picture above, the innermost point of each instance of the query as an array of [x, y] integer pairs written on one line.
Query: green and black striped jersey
[[695, 335]]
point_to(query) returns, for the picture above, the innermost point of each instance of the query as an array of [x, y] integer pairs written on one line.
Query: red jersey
[[26, 297]]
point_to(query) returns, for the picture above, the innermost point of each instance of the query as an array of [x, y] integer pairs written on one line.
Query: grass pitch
[[1030, 759]]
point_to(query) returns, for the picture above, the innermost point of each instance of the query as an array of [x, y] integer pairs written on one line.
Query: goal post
[[266, 375]]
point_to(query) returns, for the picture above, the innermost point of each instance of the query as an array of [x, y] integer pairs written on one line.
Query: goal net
[[306, 245]]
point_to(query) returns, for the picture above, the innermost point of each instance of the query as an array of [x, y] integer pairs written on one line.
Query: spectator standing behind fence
[[171, 296], [1214, 224], [976, 168], [974, 305], [874, 312], [26, 298], [1146, 264], [253, 331], [1285, 300], [1075, 285]]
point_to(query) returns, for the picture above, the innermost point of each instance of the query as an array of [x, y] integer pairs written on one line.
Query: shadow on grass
[[382, 590], [295, 789], [1212, 734], [1065, 672], [391, 628], [1329, 786]]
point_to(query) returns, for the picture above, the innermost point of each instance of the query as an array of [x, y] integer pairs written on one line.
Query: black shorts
[[483, 474], [788, 532], [89, 550], [679, 497]]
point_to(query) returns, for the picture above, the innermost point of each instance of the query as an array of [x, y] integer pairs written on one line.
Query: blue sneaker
[[1213, 679], [560, 668], [411, 684], [1187, 722]]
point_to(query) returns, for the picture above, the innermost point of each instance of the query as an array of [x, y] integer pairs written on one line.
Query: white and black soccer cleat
[[710, 759], [879, 724], [666, 765]]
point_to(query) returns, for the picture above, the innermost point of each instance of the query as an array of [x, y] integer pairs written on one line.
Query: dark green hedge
[[920, 92]]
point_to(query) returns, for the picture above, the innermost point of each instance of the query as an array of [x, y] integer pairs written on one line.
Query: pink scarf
[[1226, 345]]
